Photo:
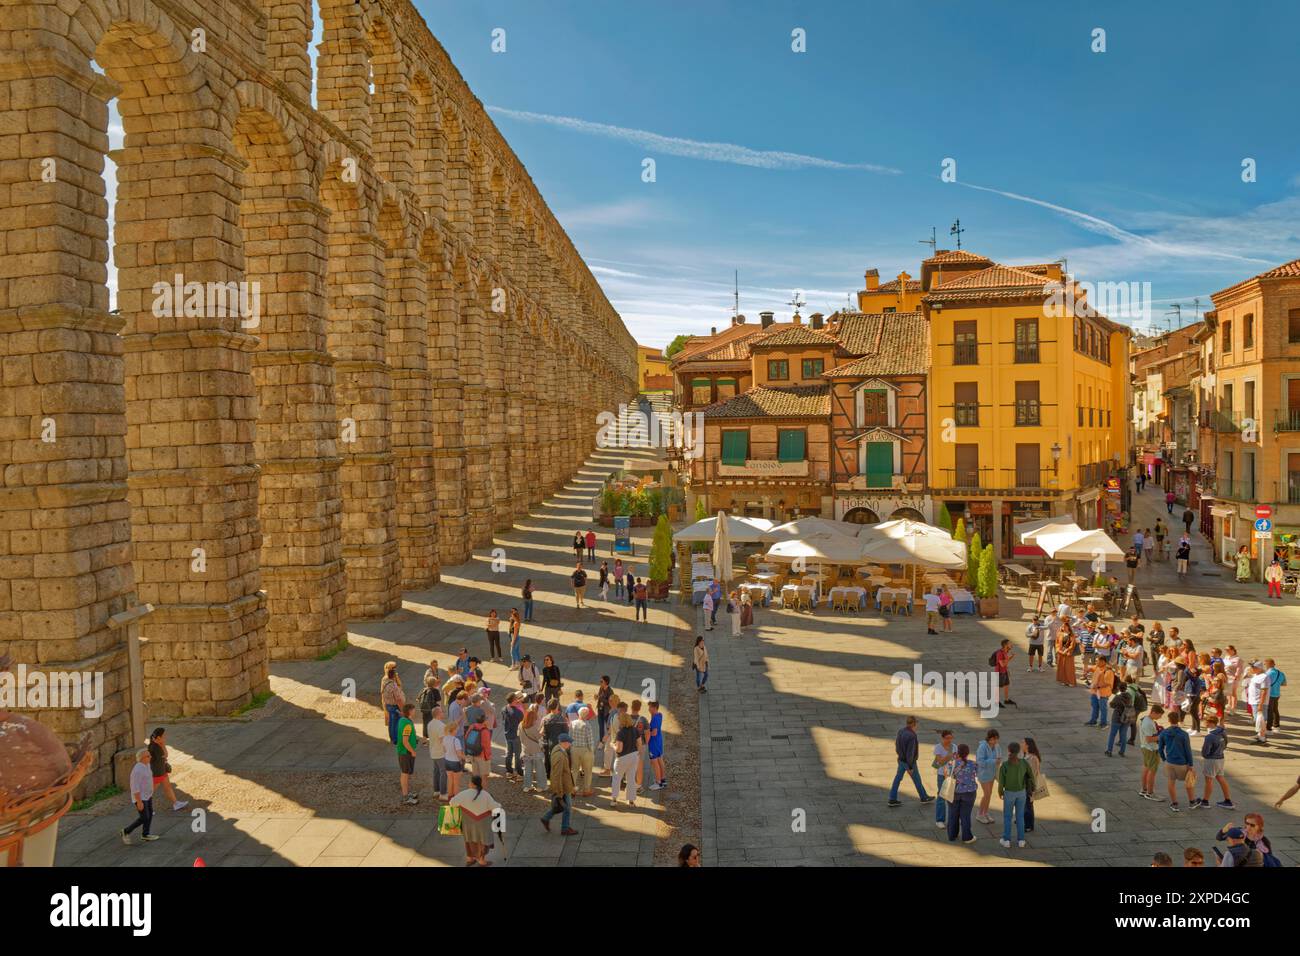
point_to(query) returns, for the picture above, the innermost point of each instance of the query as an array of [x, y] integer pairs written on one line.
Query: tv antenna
[[1176, 310], [932, 242], [956, 230], [735, 311]]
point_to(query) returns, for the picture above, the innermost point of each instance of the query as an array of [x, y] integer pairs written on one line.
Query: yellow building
[[652, 369], [1028, 387]]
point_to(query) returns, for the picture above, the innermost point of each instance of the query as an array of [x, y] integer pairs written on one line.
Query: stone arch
[[456, 163], [428, 154], [299, 496], [392, 115]]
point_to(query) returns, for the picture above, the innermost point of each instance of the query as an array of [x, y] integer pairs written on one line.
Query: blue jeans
[[514, 649], [534, 770], [394, 715], [618, 587], [940, 804], [1013, 800], [959, 815], [513, 756], [1029, 812], [1117, 730], [701, 678], [898, 778], [641, 611], [567, 804], [1098, 712], [440, 775], [528, 609]]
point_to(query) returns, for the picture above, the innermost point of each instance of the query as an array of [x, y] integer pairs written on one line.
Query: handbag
[[1041, 790], [449, 820], [948, 790]]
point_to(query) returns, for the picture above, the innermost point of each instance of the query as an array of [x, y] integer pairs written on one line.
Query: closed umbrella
[[722, 549]]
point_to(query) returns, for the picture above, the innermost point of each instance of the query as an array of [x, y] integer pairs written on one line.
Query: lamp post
[[1056, 457]]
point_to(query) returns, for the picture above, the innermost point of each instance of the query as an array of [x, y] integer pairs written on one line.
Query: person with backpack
[[1000, 661], [1149, 743], [1036, 632], [553, 726], [478, 740], [1213, 750], [1138, 707], [641, 594], [429, 698], [1123, 716], [511, 718]]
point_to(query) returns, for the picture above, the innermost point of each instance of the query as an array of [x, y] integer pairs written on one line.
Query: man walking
[[1175, 749], [1169, 502], [579, 579], [642, 594], [1131, 558], [591, 546], [561, 783], [1276, 681], [1188, 517], [141, 797], [907, 748], [1184, 554], [708, 609], [1213, 748]]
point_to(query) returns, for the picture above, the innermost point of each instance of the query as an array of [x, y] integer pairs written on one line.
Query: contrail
[[694, 149]]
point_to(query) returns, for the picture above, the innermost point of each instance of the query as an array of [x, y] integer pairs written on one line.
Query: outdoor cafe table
[[859, 595], [1019, 570], [963, 602], [759, 592], [767, 577], [698, 588], [804, 590]]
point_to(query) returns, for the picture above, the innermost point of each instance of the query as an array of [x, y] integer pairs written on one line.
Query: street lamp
[[1056, 457]]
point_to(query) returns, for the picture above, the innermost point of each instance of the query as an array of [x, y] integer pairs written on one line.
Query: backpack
[[1031, 631], [474, 741], [428, 698], [993, 659], [1139, 699]]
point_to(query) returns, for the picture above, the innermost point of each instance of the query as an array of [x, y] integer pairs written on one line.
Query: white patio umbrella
[[1027, 531], [722, 550], [805, 527], [819, 549], [1080, 545], [902, 528], [739, 530], [918, 550]]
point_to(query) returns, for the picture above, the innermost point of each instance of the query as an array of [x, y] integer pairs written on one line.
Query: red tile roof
[[793, 335], [1288, 270], [951, 256], [886, 343], [794, 401]]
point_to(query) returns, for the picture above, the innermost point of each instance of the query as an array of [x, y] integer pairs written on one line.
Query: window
[[1078, 336], [1026, 340], [1105, 347], [875, 407], [1293, 326], [1248, 331], [1027, 407], [1027, 472], [778, 370], [967, 472], [1080, 404], [727, 388], [813, 367], [1226, 345], [701, 391], [790, 443], [735, 447], [965, 347], [966, 403], [890, 309], [1248, 401]]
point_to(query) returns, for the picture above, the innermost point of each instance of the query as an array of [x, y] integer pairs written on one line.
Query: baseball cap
[[565, 739], [1236, 833]]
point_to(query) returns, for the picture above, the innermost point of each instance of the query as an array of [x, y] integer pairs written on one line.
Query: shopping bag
[[449, 820]]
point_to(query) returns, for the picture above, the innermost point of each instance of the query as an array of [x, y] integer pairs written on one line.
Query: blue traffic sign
[[1263, 525]]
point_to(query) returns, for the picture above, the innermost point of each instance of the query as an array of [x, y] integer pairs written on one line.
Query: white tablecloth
[[805, 589], [859, 594]]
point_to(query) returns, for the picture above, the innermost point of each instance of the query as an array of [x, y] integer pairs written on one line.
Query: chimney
[[766, 318], [714, 330], [817, 320], [797, 319], [873, 279]]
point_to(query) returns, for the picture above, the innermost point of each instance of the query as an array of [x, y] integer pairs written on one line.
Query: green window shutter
[[735, 447], [701, 382], [880, 464], [790, 445]]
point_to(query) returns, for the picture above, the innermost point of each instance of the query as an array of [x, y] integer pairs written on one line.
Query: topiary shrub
[[988, 574]]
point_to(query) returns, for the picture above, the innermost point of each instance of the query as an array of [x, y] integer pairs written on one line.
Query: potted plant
[[959, 533], [988, 583], [660, 559], [973, 553]]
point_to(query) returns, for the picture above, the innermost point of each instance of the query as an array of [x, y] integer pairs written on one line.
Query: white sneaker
[[1005, 843], [1021, 844], [940, 824]]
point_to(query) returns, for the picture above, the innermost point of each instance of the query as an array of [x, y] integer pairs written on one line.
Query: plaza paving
[[312, 779], [799, 722]]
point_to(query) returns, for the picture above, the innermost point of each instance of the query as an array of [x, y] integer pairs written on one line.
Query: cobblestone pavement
[[311, 780], [799, 725]]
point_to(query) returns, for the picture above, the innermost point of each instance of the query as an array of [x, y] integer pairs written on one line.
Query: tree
[[701, 512], [945, 517], [661, 550], [988, 576], [973, 553], [676, 345], [959, 534]]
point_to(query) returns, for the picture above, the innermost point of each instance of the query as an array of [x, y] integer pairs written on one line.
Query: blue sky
[[1128, 161]]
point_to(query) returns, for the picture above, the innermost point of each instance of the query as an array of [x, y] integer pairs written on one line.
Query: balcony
[[1287, 420], [1095, 473], [1226, 422], [1235, 490], [966, 479], [1031, 480], [1026, 354], [965, 353], [1288, 492]]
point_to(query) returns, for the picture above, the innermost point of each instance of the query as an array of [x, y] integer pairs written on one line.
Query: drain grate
[[721, 740], [780, 736], [757, 663]]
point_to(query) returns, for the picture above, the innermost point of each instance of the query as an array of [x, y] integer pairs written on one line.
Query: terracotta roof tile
[[913, 285], [950, 256], [794, 335], [889, 343], [1288, 270], [997, 277], [795, 401]]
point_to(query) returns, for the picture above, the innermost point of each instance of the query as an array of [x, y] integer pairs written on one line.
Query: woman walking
[[551, 682], [161, 769], [959, 809], [515, 626], [944, 753], [701, 665], [604, 580], [494, 635], [604, 696], [578, 544], [476, 807], [1065, 648], [988, 756], [528, 599], [945, 609], [392, 698], [733, 613]]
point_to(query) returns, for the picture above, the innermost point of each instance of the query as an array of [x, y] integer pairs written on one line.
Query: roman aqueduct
[[429, 360]]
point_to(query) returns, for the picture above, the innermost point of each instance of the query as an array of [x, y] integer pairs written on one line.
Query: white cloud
[[691, 148]]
